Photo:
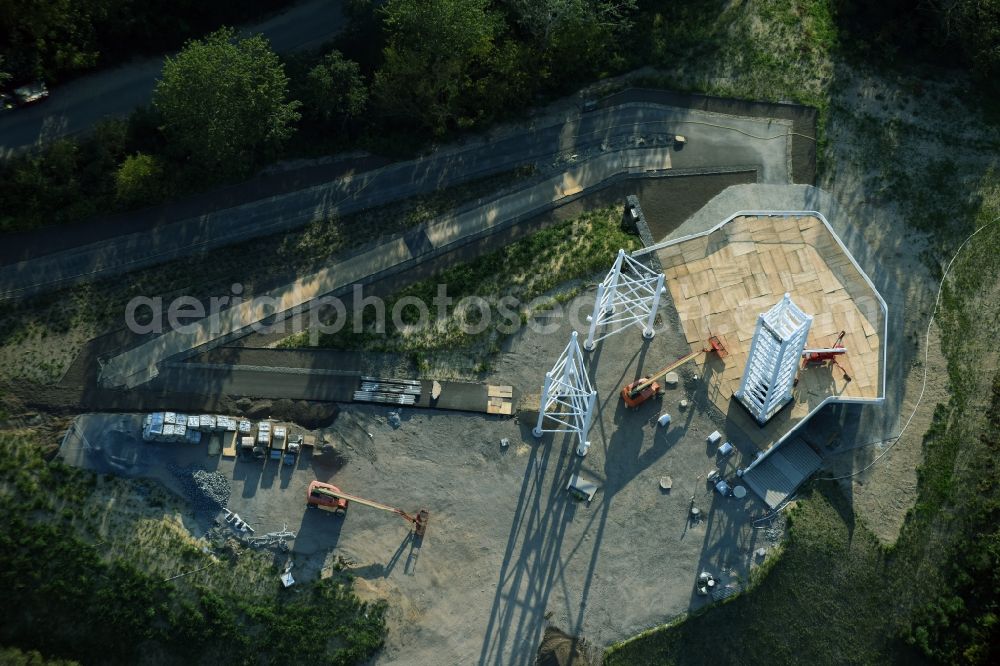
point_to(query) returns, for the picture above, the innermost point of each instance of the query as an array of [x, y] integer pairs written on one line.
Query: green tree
[[977, 34], [42, 38], [575, 38], [139, 180], [15, 657], [224, 102], [334, 90], [437, 61]]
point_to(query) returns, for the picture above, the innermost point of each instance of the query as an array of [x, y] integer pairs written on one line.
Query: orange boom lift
[[829, 354], [331, 498], [641, 390]]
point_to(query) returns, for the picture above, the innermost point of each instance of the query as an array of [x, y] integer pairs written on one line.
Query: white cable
[[923, 386]]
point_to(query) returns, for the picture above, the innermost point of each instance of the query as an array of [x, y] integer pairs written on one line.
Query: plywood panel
[[704, 282], [735, 296], [728, 275], [686, 287], [829, 282], [778, 259], [822, 326], [794, 265]]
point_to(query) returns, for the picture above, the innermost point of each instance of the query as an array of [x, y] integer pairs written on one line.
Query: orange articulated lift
[[641, 390], [829, 354], [331, 498]]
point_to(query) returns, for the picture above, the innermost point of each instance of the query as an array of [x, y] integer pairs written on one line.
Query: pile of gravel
[[206, 490]]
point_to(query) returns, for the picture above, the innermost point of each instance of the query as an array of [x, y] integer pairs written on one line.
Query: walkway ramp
[[781, 472]]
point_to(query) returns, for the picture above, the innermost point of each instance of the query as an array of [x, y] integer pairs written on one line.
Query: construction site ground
[[508, 551]]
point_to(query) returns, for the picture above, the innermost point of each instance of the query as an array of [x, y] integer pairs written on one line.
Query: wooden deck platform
[[721, 282]]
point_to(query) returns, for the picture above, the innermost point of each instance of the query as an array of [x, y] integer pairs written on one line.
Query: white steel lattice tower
[[630, 294], [568, 399], [774, 359]]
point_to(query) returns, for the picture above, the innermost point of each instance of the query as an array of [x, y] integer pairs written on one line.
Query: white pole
[[613, 286], [537, 432], [649, 331], [588, 344], [588, 418]]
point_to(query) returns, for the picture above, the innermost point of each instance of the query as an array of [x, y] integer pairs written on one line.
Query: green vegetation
[[410, 72], [92, 582], [508, 280], [15, 657], [223, 103], [139, 179], [334, 91], [770, 50], [962, 33], [825, 601], [437, 58], [68, 180], [56, 39], [406, 73]]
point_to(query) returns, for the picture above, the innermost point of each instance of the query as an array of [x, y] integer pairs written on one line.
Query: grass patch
[[792, 615], [773, 50], [87, 560], [509, 280]]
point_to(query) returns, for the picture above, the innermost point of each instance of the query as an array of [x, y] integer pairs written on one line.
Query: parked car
[[31, 93]]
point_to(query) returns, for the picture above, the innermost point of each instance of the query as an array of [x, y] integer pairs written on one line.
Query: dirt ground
[[508, 552], [884, 493]]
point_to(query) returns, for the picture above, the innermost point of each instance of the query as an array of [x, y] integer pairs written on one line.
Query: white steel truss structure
[[629, 295], [568, 399], [774, 358]]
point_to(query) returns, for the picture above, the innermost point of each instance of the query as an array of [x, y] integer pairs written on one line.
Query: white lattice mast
[[568, 399], [774, 359], [629, 295]]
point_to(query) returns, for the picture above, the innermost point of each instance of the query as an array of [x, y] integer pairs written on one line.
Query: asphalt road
[[554, 144], [78, 105]]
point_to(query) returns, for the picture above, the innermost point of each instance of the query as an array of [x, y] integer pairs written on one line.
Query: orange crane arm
[[367, 502], [419, 521]]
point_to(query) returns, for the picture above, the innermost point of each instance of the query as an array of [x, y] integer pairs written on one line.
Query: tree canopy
[[334, 89], [4, 76], [224, 102], [436, 54], [51, 39], [572, 36]]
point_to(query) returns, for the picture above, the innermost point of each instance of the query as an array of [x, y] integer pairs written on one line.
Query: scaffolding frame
[[774, 359], [568, 398], [628, 296]]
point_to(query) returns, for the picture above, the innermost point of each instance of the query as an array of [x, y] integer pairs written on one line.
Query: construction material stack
[[247, 446], [168, 427], [278, 443], [292, 449], [388, 391]]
